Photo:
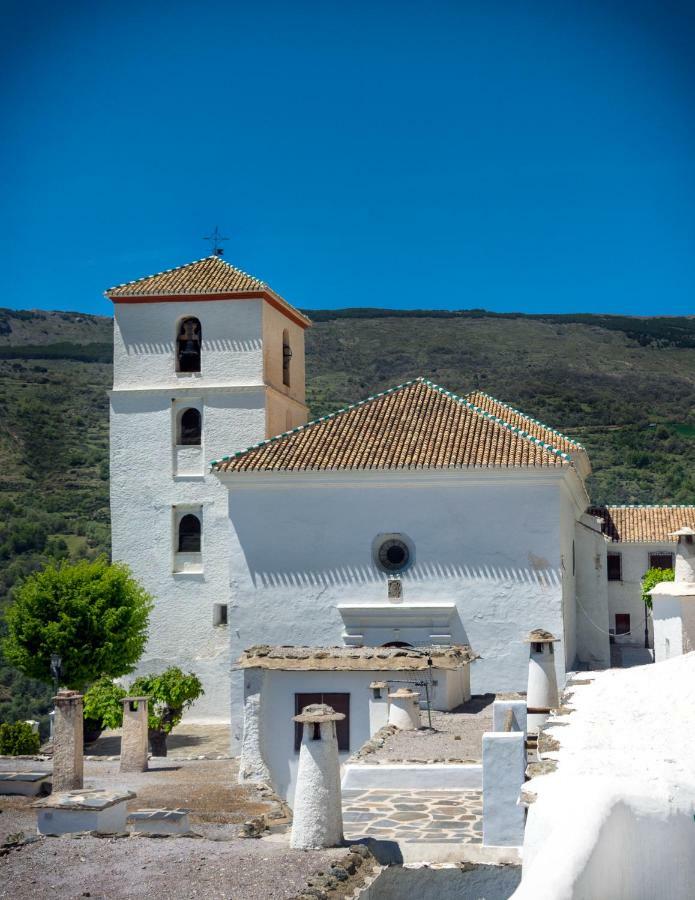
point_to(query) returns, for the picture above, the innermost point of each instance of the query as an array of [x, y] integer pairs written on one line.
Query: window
[[339, 702], [614, 562], [286, 357], [188, 341], [190, 427], [189, 534], [622, 623], [393, 554], [219, 614], [661, 560]]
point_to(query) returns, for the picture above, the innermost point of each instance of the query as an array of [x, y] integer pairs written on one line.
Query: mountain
[[623, 386]]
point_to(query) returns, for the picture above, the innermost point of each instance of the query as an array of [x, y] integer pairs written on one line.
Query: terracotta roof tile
[[521, 420], [643, 524], [413, 426], [210, 275]]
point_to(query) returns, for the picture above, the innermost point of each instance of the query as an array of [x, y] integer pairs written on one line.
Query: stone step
[[160, 821], [28, 784]]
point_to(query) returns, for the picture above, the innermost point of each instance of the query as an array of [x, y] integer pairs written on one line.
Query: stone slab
[[84, 800], [26, 784], [160, 821]]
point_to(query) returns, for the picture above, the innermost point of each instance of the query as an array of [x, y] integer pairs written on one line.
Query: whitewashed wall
[[145, 486], [625, 596], [593, 646], [488, 543]]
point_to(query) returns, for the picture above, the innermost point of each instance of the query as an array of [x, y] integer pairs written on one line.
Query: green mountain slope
[[624, 387]]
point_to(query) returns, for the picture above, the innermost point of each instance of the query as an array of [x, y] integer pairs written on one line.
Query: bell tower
[[207, 361]]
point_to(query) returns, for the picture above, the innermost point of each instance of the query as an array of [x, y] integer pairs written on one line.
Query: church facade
[[417, 518]]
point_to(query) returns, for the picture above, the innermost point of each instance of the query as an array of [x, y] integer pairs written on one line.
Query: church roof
[[643, 524], [210, 277], [521, 420], [416, 425]]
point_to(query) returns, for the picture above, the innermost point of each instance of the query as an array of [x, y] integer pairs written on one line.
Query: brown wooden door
[[339, 702]]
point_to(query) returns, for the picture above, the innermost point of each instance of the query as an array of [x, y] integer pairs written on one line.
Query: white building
[[416, 517]]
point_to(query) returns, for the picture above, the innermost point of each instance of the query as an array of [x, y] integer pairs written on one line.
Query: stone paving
[[432, 816]]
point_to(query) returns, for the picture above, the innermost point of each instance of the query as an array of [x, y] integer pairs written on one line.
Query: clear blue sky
[[535, 156]]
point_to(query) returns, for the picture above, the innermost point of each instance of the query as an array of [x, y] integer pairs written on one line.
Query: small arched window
[[189, 534], [286, 357], [188, 343], [189, 427]]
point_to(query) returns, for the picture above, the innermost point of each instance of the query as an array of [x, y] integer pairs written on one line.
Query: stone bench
[[28, 784], [160, 821], [72, 811]]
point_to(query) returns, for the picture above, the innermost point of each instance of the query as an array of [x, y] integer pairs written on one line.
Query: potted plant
[[170, 693], [102, 708]]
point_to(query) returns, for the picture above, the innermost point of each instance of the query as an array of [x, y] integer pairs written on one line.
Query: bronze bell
[[189, 346]]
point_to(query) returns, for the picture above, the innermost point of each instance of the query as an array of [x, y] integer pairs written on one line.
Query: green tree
[[170, 693], [93, 614], [651, 578]]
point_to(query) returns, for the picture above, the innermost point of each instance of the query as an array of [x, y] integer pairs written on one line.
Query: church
[[415, 525]]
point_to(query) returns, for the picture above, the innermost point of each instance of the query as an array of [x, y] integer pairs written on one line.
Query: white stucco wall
[[145, 339], [486, 548], [151, 476], [625, 596], [593, 646]]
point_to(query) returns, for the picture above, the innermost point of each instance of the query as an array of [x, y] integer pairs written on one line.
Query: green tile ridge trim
[[524, 415], [502, 422]]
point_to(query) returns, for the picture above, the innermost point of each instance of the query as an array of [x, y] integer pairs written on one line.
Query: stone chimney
[[541, 695], [68, 750], [317, 815], [404, 709], [134, 735]]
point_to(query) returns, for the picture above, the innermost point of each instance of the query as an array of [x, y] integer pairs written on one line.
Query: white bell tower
[[207, 361]]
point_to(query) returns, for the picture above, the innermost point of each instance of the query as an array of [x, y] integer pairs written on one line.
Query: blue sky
[[512, 156]]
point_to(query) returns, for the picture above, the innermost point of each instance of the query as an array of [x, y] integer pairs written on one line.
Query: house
[[414, 519]]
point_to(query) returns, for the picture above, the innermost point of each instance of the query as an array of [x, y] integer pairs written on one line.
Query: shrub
[[18, 740], [170, 693], [651, 578], [102, 703]]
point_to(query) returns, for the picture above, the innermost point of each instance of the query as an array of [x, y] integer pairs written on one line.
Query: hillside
[[625, 387]]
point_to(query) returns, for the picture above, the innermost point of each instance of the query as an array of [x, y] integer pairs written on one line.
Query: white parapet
[[504, 767], [500, 715]]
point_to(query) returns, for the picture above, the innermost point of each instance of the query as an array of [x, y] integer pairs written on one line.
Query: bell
[[189, 347]]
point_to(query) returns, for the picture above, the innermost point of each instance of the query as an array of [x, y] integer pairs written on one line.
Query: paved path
[[431, 816]]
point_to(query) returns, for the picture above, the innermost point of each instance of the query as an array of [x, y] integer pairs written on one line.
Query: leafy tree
[[93, 614], [651, 578], [170, 693]]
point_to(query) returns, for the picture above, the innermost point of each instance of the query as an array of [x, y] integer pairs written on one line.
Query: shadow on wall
[[214, 345], [420, 572]]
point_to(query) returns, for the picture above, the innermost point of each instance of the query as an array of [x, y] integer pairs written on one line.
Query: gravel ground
[[217, 865], [189, 739], [457, 735]]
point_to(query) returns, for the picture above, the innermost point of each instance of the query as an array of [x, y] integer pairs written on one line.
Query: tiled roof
[[643, 524], [210, 275], [521, 420], [413, 426]]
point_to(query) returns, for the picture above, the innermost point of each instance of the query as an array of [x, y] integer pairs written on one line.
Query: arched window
[[398, 644], [188, 343], [286, 357], [189, 427], [189, 534]]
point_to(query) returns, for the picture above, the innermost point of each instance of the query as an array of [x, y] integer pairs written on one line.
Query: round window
[[394, 555]]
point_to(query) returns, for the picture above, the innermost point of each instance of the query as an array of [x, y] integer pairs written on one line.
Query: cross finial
[[216, 240]]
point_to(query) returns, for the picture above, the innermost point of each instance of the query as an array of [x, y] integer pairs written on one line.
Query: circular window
[[393, 555]]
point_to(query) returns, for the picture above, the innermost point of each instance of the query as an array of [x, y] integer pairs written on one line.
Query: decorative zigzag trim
[[648, 506], [513, 428], [524, 415]]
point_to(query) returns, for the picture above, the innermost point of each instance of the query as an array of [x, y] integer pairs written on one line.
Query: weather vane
[[216, 240]]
